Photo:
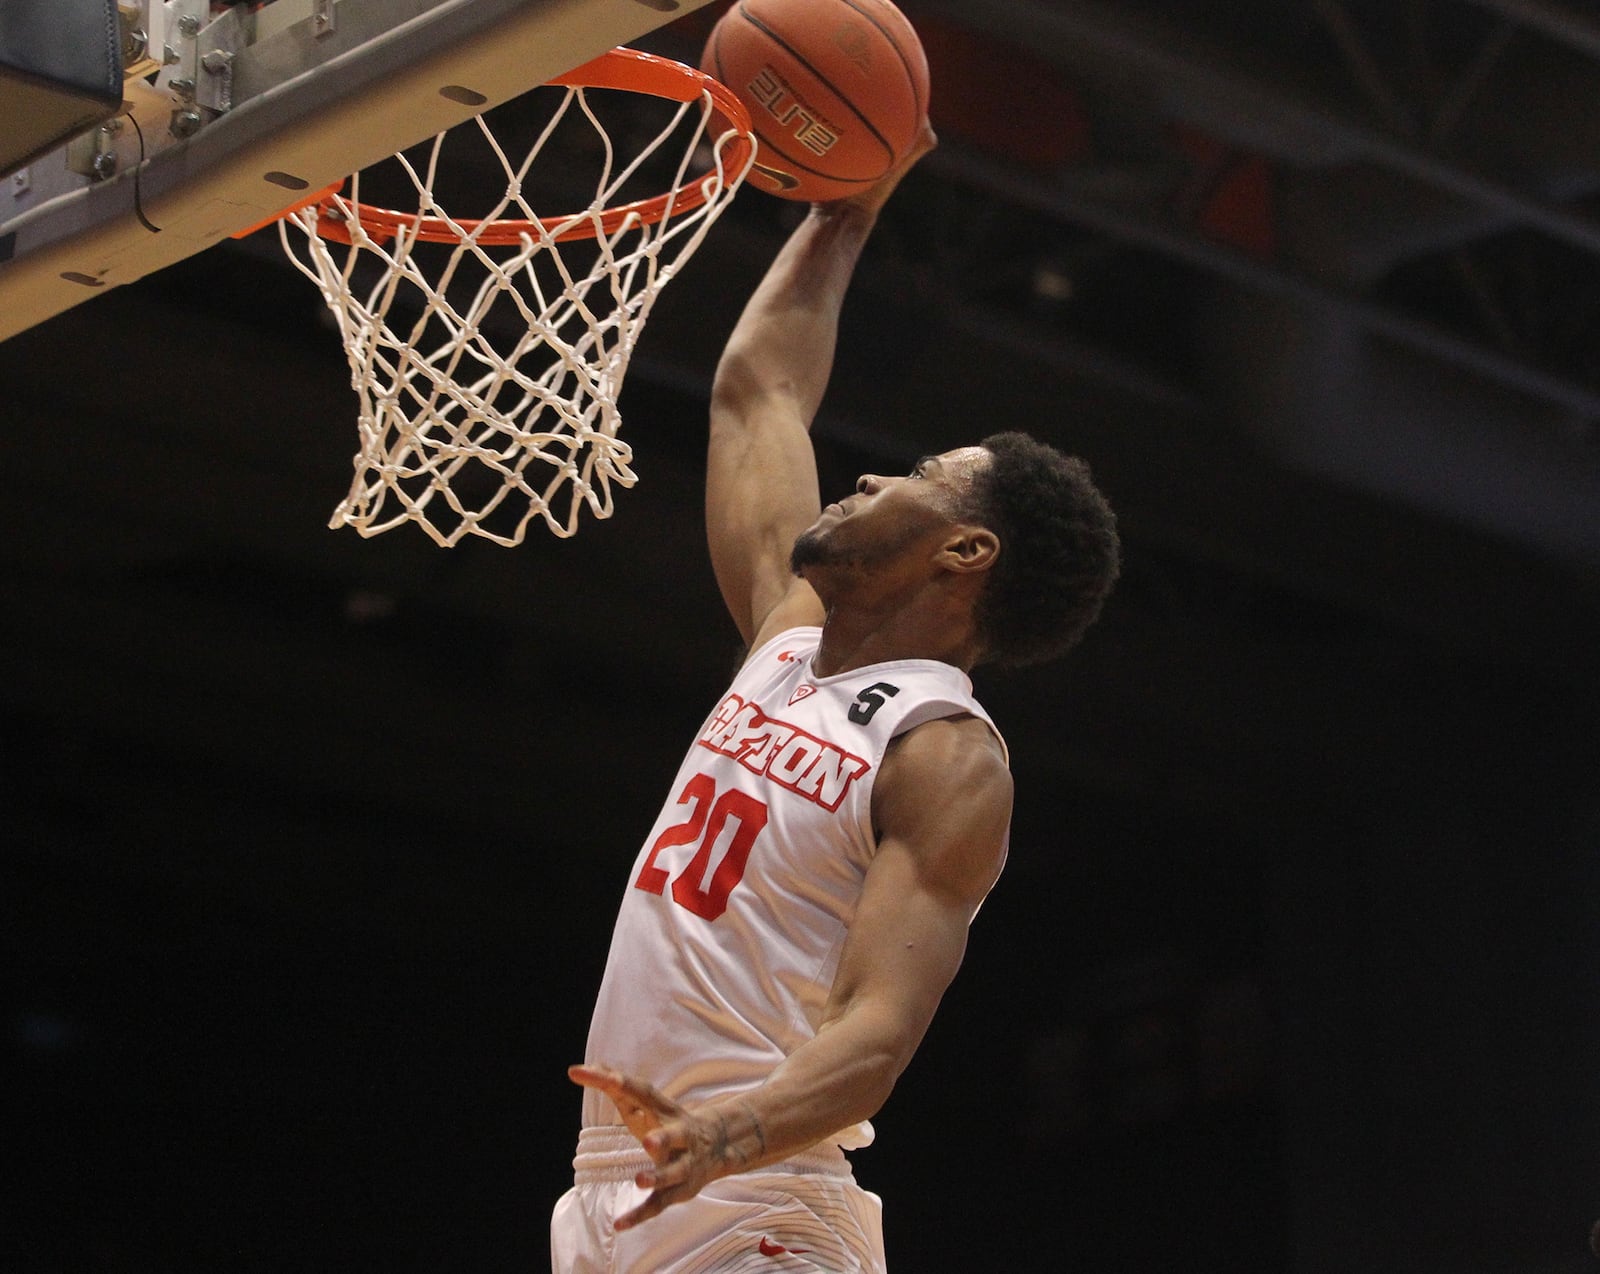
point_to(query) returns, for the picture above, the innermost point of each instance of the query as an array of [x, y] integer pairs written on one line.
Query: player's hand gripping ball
[[836, 89]]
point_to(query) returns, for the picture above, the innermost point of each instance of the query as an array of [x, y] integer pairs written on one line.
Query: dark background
[[313, 842]]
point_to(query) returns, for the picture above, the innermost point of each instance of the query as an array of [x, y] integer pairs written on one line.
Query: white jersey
[[729, 935]]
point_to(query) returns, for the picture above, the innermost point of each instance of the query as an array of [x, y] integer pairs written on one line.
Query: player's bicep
[[942, 804]]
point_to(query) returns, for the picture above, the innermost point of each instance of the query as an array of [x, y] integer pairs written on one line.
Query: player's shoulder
[[949, 756], [944, 795]]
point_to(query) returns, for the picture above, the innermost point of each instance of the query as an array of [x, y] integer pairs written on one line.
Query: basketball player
[[803, 900]]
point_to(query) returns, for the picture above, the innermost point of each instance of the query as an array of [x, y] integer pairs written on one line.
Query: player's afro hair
[[1059, 551]]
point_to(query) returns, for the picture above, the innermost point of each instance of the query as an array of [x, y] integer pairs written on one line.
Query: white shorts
[[805, 1214]]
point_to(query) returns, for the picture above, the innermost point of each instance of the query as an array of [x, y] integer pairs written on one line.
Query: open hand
[[688, 1150]]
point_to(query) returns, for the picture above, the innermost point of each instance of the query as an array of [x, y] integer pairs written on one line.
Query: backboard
[[60, 74], [229, 118]]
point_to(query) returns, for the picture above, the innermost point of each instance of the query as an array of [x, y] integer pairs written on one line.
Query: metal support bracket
[[219, 44], [140, 55], [94, 154], [181, 64]]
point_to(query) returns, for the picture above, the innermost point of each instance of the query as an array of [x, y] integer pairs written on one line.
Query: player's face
[[891, 518]]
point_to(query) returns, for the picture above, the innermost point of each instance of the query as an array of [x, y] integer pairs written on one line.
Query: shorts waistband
[[612, 1153]]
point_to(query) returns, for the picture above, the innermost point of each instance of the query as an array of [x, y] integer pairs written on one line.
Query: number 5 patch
[[870, 700]]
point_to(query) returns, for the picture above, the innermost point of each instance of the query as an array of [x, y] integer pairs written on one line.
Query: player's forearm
[[784, 341], [841, 1077]]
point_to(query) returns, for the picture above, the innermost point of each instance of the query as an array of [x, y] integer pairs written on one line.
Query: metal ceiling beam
[[1198, 84], [1068, 205], [1559, 24]]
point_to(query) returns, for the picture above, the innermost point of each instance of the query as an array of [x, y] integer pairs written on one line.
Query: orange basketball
[[836, 90]]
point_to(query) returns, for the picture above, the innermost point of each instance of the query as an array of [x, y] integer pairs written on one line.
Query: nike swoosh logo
[[769, 1248], [780, 179]]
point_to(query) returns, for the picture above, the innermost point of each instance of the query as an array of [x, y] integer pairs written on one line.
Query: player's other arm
[[761, 481], [942, 804], [942, 807]]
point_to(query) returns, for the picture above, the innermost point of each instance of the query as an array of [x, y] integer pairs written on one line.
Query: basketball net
[[488, 353]]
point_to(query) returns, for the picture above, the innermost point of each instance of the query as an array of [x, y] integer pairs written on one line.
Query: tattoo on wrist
[[734, 1151], [755, 1123], [720, 1143]]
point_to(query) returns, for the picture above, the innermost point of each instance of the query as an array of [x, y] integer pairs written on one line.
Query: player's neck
[[932, 624]]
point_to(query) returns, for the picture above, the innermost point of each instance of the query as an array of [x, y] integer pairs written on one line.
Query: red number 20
[[707, 817]]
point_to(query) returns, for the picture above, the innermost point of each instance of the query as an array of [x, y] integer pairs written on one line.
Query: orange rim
[[626, 69]]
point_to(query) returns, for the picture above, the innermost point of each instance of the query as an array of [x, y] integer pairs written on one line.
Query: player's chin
[[804, 553], [811, 546]]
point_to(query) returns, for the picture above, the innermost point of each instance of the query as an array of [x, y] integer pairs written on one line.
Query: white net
[[488, 354]]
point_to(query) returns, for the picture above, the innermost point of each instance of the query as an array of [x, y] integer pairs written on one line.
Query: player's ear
[[970, 549]]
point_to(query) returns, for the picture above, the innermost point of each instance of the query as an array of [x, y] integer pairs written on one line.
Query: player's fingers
[[668, 1172], [640, 1107], [595, 1075], [630, 1219], [592, 1076], [926, 140], [657, 1203], [614, 1083], [671, 1137], [649, 1208]]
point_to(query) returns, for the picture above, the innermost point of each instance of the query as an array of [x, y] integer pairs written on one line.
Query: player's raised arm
[[761, 484]]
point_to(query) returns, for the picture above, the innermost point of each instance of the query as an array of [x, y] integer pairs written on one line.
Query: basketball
[[836, 90]]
